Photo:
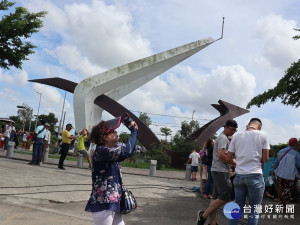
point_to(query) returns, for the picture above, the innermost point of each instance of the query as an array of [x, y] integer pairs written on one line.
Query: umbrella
[[6, 120]]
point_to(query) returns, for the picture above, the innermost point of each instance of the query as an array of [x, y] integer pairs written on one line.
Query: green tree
[[124, 137], [166, 131], [188, 128], [163, 159], [25, 115], [181, 141], [287, 88], [51, 119], [145, 119], [15, 28]]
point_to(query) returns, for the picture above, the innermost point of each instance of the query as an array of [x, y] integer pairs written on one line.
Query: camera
[[126, 120]]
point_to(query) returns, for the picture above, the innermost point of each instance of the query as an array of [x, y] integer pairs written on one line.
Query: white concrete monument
[[122, 80]]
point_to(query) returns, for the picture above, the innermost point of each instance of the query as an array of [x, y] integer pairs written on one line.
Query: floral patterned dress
[[106, 175]]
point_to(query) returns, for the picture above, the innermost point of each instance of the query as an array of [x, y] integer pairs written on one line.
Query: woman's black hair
[[209, 143], [98, 133]]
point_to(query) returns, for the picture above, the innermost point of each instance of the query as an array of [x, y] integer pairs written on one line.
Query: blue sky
[[83, 38]]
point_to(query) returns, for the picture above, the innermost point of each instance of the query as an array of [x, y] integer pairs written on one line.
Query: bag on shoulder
[[128, 202], [34, 136]]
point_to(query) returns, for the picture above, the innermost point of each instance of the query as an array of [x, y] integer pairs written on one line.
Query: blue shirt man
[[38, 144]]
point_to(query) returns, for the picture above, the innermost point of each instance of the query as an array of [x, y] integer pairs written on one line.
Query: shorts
[[84, 152], [222, 186], [194, 168]]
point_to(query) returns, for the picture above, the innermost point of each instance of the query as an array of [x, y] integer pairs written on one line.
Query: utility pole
[[62, 114], [38, 109]]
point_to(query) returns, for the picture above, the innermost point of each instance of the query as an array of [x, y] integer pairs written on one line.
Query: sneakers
[[30, 163], [200, 219], [61, 167]]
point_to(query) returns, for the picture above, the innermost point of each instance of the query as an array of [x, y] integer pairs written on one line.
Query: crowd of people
[[234, 166]]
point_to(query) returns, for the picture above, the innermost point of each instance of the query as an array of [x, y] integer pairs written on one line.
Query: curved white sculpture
[[122, 80]]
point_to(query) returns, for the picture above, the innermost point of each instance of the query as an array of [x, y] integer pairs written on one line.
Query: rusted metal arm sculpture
[[227, 111]]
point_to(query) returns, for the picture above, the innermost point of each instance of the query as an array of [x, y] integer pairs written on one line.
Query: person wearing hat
[[38, 143], [286, 168], [220, 174], [251, 149], [47, 141], [65, 146]]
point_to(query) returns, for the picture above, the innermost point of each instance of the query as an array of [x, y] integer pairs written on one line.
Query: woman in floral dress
[[104, 202]]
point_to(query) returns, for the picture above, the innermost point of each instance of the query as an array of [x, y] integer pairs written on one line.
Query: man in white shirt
[[8, 129], [194, 156], [47, 141], [251, 149]]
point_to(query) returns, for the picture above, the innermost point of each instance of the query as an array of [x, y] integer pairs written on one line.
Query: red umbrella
[[6, 120]]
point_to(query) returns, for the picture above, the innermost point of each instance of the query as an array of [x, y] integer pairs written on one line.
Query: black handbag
[[128, 202]]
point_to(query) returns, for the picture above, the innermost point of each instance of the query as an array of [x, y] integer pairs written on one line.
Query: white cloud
[[51, 100], [94, 36], [280, 134], [55, 18], [19, 77], [193, 90], [279, 49], [70, 56]]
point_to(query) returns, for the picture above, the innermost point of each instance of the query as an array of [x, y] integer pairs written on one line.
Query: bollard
[[188, 172], [45, 160], [10, 150], [153, 164], [80, 160]]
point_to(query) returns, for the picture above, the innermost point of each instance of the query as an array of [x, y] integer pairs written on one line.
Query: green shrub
[[163, 159]]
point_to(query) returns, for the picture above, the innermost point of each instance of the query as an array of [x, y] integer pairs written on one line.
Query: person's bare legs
[[205, 169], [212, 210], [89, 160], [213, 218], [194, 175], [201, 172]]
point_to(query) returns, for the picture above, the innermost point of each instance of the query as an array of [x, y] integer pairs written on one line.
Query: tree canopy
[[15, 28], [51, 119], [166, 131], [145, 119], [288, 88]]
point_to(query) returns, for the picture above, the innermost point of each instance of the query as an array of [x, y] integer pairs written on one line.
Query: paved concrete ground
[[46, 195]]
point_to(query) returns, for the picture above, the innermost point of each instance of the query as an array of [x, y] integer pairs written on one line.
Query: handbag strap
[[285, 153], [41, 130]]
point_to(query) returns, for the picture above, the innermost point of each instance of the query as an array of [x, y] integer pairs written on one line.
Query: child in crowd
[[84, 135]]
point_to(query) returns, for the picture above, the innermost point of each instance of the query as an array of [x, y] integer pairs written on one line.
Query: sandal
[[207, 197], [267, 194]]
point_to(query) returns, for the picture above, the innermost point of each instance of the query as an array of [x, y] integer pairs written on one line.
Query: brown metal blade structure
[[145, 135], [227, 111]]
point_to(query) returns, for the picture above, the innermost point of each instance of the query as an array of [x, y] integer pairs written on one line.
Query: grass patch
[[141, 165], [137, 164], [145, 165]]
